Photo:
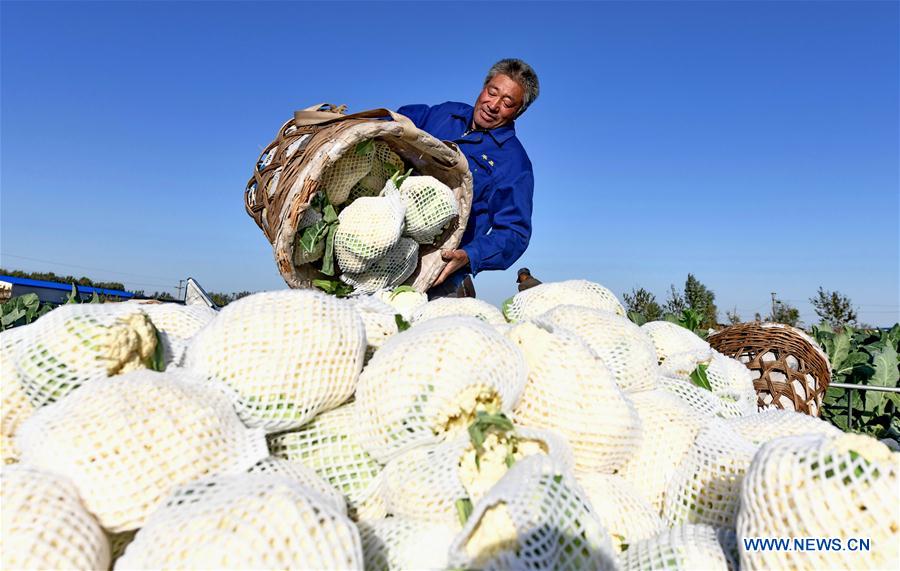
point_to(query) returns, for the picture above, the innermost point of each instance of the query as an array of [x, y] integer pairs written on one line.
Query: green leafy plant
[[21, 310], [333, 287], [699, 377], [689, 319], [402, 324], [862, 357], [324, 229]]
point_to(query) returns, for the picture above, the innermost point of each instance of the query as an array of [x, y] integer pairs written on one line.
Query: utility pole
[[182, 281], [773, 305]]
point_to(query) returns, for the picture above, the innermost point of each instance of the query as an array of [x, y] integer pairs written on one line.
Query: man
[[499, 226], [526, 280]]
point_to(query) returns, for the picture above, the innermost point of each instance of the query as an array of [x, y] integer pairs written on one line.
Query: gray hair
[[521, 73]]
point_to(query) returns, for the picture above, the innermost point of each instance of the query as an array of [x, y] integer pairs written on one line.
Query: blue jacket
[[499, 226]]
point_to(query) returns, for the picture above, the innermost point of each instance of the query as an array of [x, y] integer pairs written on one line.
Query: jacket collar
[[500, 134]]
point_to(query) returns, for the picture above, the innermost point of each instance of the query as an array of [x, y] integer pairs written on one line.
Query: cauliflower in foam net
[[340, 177], [670, 338], [823, 485], [391, 269], [621, 508], [440, 483], [684, 548], [622, 345], [282, 356], [74, 344], [542, 298], [45, 524], [368, 228], [126, 441], [15, 406], [535, 517], [247, 521], [462, 306], [570, 390], [430, 381], [329, 445], [430, 206]]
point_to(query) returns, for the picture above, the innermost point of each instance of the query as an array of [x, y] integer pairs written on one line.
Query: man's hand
[[455, 260]]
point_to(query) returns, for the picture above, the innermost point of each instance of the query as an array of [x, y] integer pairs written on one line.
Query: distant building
[[56, 292]]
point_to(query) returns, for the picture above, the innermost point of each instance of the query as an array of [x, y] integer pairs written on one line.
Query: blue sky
[[754, 144]]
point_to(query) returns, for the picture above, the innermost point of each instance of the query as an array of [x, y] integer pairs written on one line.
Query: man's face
[[498, 103]]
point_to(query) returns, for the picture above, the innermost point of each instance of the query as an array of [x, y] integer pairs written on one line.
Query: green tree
[[643, 302], [223, 299], [51, 277], [675, 304], [833, 308], [702, 300], [785, 313]]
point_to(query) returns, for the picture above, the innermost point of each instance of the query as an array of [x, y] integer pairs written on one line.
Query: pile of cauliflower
[[365, 226], [293, 429]]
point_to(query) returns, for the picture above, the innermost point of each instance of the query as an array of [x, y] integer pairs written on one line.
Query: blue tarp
[[65, 287]]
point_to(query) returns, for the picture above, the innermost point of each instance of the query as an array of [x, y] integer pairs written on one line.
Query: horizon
[[754, 145]]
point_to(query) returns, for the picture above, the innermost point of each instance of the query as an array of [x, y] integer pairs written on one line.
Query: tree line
[[831, 307]]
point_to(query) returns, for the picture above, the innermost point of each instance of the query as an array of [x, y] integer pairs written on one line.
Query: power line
[[88, 268]]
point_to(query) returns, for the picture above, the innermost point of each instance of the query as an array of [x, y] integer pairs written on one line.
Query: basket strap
[[448, 158], [311, 116]]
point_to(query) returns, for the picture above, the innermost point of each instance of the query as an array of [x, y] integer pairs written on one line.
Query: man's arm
[[417, 113], [510, 231]]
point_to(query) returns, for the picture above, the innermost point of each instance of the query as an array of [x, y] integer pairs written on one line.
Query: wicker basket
[[288, 171], [792, 372]]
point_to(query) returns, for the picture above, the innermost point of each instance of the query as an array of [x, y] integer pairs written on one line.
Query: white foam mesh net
[[182, 321], [768, 425], [339, 178], [390, 270], [706, 402], [661, 413], [367, 230], [378, 319], [620, 508], [14, 405], [45, 525], [430, 206], [571, 391], [843, 486], [731, 382], [461, 306], [125, 442], [544, 297], [429, 381], [282, 356], [706, 485], [385, 163], [621, 344], [426, 482], [310, 217], [77, 343], [681, 365], [248, 521], [398, 543], [329, 445], [373, 507], [306, 477], [176, 324], [686, 547], [670, 338], [536, 517]]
